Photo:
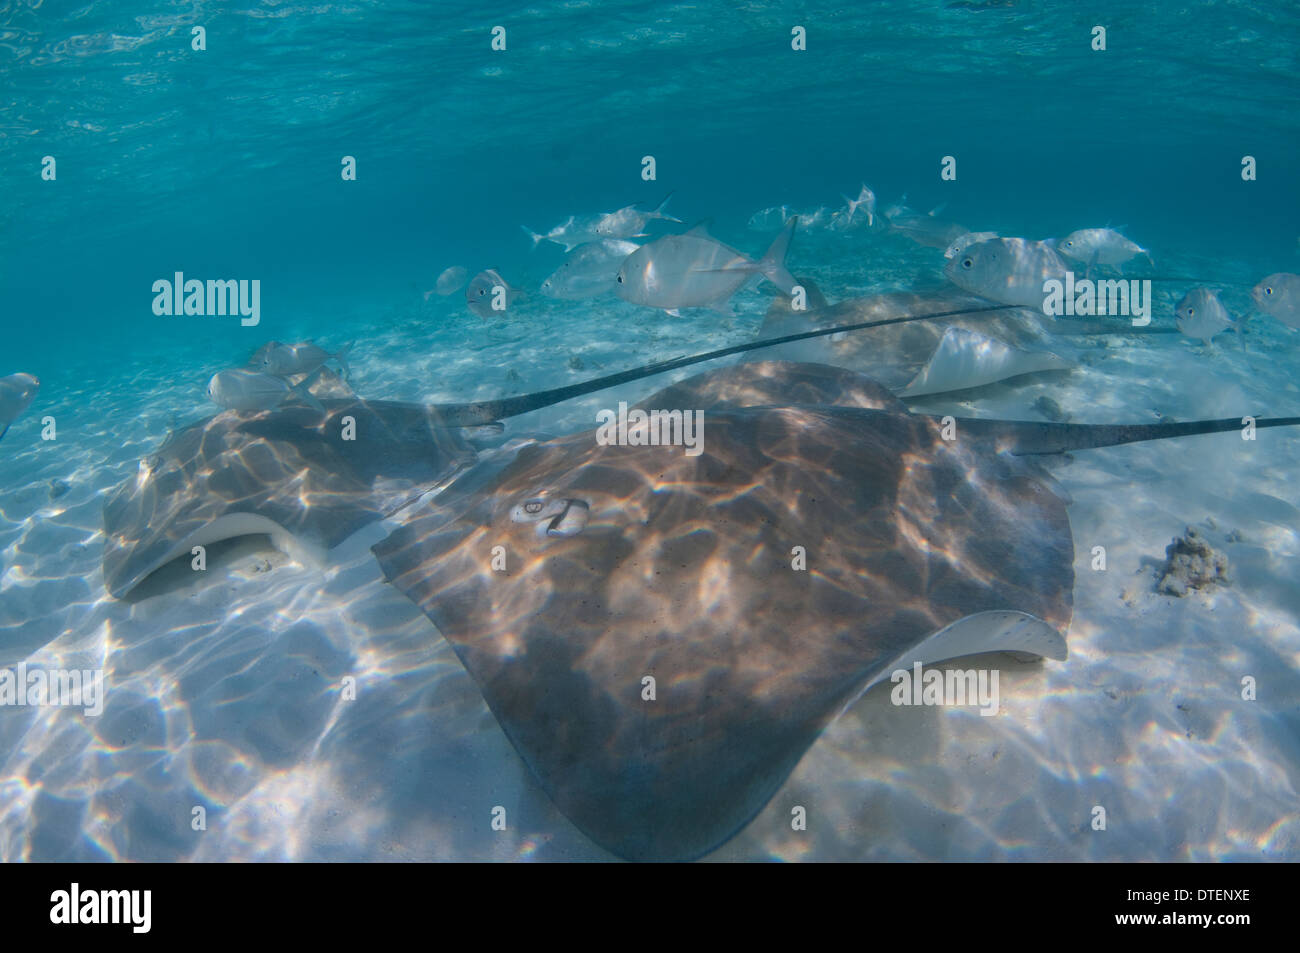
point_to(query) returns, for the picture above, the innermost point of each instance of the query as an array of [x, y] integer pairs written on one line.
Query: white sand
[[224, 695]]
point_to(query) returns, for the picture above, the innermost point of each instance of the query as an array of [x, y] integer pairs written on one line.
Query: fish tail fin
[[302, 389], [342, 358], [855, 204], [772, 265], [537, 239], [661, 214]]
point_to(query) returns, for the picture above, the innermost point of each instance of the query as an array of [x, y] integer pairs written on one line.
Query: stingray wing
[[289, 470]]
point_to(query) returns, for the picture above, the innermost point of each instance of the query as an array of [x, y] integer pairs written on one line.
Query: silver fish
[[16, 393], [488, 288], [1006, 270], [1279, 296], [927, 229], [590, 271], [965, 241], [696, 271], [449, 282], [766, 219], [570, 233], [1201, 315], [820, 217], [239, 389], [776, 217], [1100, 246], [286, 360], [866, 201], [629, 222]]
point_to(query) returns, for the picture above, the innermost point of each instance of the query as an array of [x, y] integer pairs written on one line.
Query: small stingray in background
[[970, 348]]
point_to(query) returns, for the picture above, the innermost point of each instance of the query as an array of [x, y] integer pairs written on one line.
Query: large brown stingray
[[684, 572], [918, 548]]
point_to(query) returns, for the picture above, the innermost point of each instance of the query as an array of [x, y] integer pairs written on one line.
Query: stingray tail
[[1027, 437]]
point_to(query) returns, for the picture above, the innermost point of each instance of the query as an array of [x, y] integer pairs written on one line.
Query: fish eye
[[620, 278], [1190, 312], [1268, 291], [967, 262]]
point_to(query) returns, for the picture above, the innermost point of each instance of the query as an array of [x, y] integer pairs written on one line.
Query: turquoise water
[[226, 163]]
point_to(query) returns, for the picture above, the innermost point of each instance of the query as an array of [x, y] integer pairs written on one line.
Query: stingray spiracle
[[564, 517]]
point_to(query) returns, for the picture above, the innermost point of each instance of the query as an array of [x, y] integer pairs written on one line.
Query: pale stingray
[[917, 548], [916, 358], [967, 359]]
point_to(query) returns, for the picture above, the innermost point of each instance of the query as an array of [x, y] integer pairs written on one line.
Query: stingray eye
[[967, 262], [533, 507], [620, 277]]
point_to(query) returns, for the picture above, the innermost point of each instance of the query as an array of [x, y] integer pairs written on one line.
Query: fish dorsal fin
[[701, 228], [1000, 630]]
